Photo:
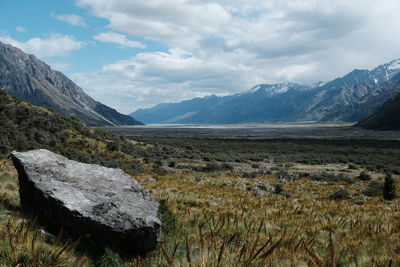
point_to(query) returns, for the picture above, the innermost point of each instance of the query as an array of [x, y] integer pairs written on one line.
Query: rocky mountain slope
[[346, 99], [343, 98], [24, 76], [262, 103], [367, 104], [387, 117]]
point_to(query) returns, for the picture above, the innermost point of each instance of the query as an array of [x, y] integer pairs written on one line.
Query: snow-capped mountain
[[348, 99], [386, 72], [339, 99], [275, 89], [263, 103], [386, 116]]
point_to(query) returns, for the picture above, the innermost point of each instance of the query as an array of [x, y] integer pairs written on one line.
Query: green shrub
[[169, 222], [389, 188], [353, 166], [227, 166], [255, 166], [395, 170], [250, 175], [112, 146], [339, 195], [190, 147], [110, 259], [136, 168], [158, 162], [278, 189], [373, 189], [364, 176], [215, 166], [172, 164], [331, 177]]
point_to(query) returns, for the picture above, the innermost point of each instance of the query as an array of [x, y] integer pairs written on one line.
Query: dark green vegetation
[[389, 188], [25, 127], [372, 154], [338, 195]]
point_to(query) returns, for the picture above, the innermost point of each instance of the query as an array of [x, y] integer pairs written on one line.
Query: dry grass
[[22, 243], [226, 226], [220, 223]]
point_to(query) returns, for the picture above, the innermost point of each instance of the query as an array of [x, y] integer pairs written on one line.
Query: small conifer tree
[[389, 188]]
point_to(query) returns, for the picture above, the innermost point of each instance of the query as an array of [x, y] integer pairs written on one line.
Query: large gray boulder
[[104, 206]]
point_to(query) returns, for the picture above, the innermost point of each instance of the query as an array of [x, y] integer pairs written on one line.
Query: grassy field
[[221, 211]]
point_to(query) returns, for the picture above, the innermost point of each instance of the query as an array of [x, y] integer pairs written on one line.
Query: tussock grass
[[23, 245], [216, 221], [227, 226], [22, 241]]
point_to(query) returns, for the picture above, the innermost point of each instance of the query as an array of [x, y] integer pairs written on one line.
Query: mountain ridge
[[26, 77], [387, 116], [344, 99]]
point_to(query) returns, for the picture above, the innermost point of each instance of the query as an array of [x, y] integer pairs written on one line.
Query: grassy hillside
[[25, 127], [325, 208]]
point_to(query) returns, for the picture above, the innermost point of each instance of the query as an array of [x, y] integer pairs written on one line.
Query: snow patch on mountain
[[272, 89], [394, 65]]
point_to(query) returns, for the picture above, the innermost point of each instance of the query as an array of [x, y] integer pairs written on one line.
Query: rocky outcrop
[[103, 205]]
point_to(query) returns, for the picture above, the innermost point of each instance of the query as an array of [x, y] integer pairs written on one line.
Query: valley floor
[[254, 131], [258, 201]]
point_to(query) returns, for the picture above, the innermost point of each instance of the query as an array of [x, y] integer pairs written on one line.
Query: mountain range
[[26, 77], [346, 99], [351, 98], [387, 117]]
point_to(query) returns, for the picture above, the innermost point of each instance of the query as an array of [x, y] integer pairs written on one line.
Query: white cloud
[[54, 45], [151, 78], [227, 46], [71, 19], [112, 37], [21, 29], [175, 20]]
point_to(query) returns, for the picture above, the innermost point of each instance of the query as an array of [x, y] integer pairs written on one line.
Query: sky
[[131, 54]]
